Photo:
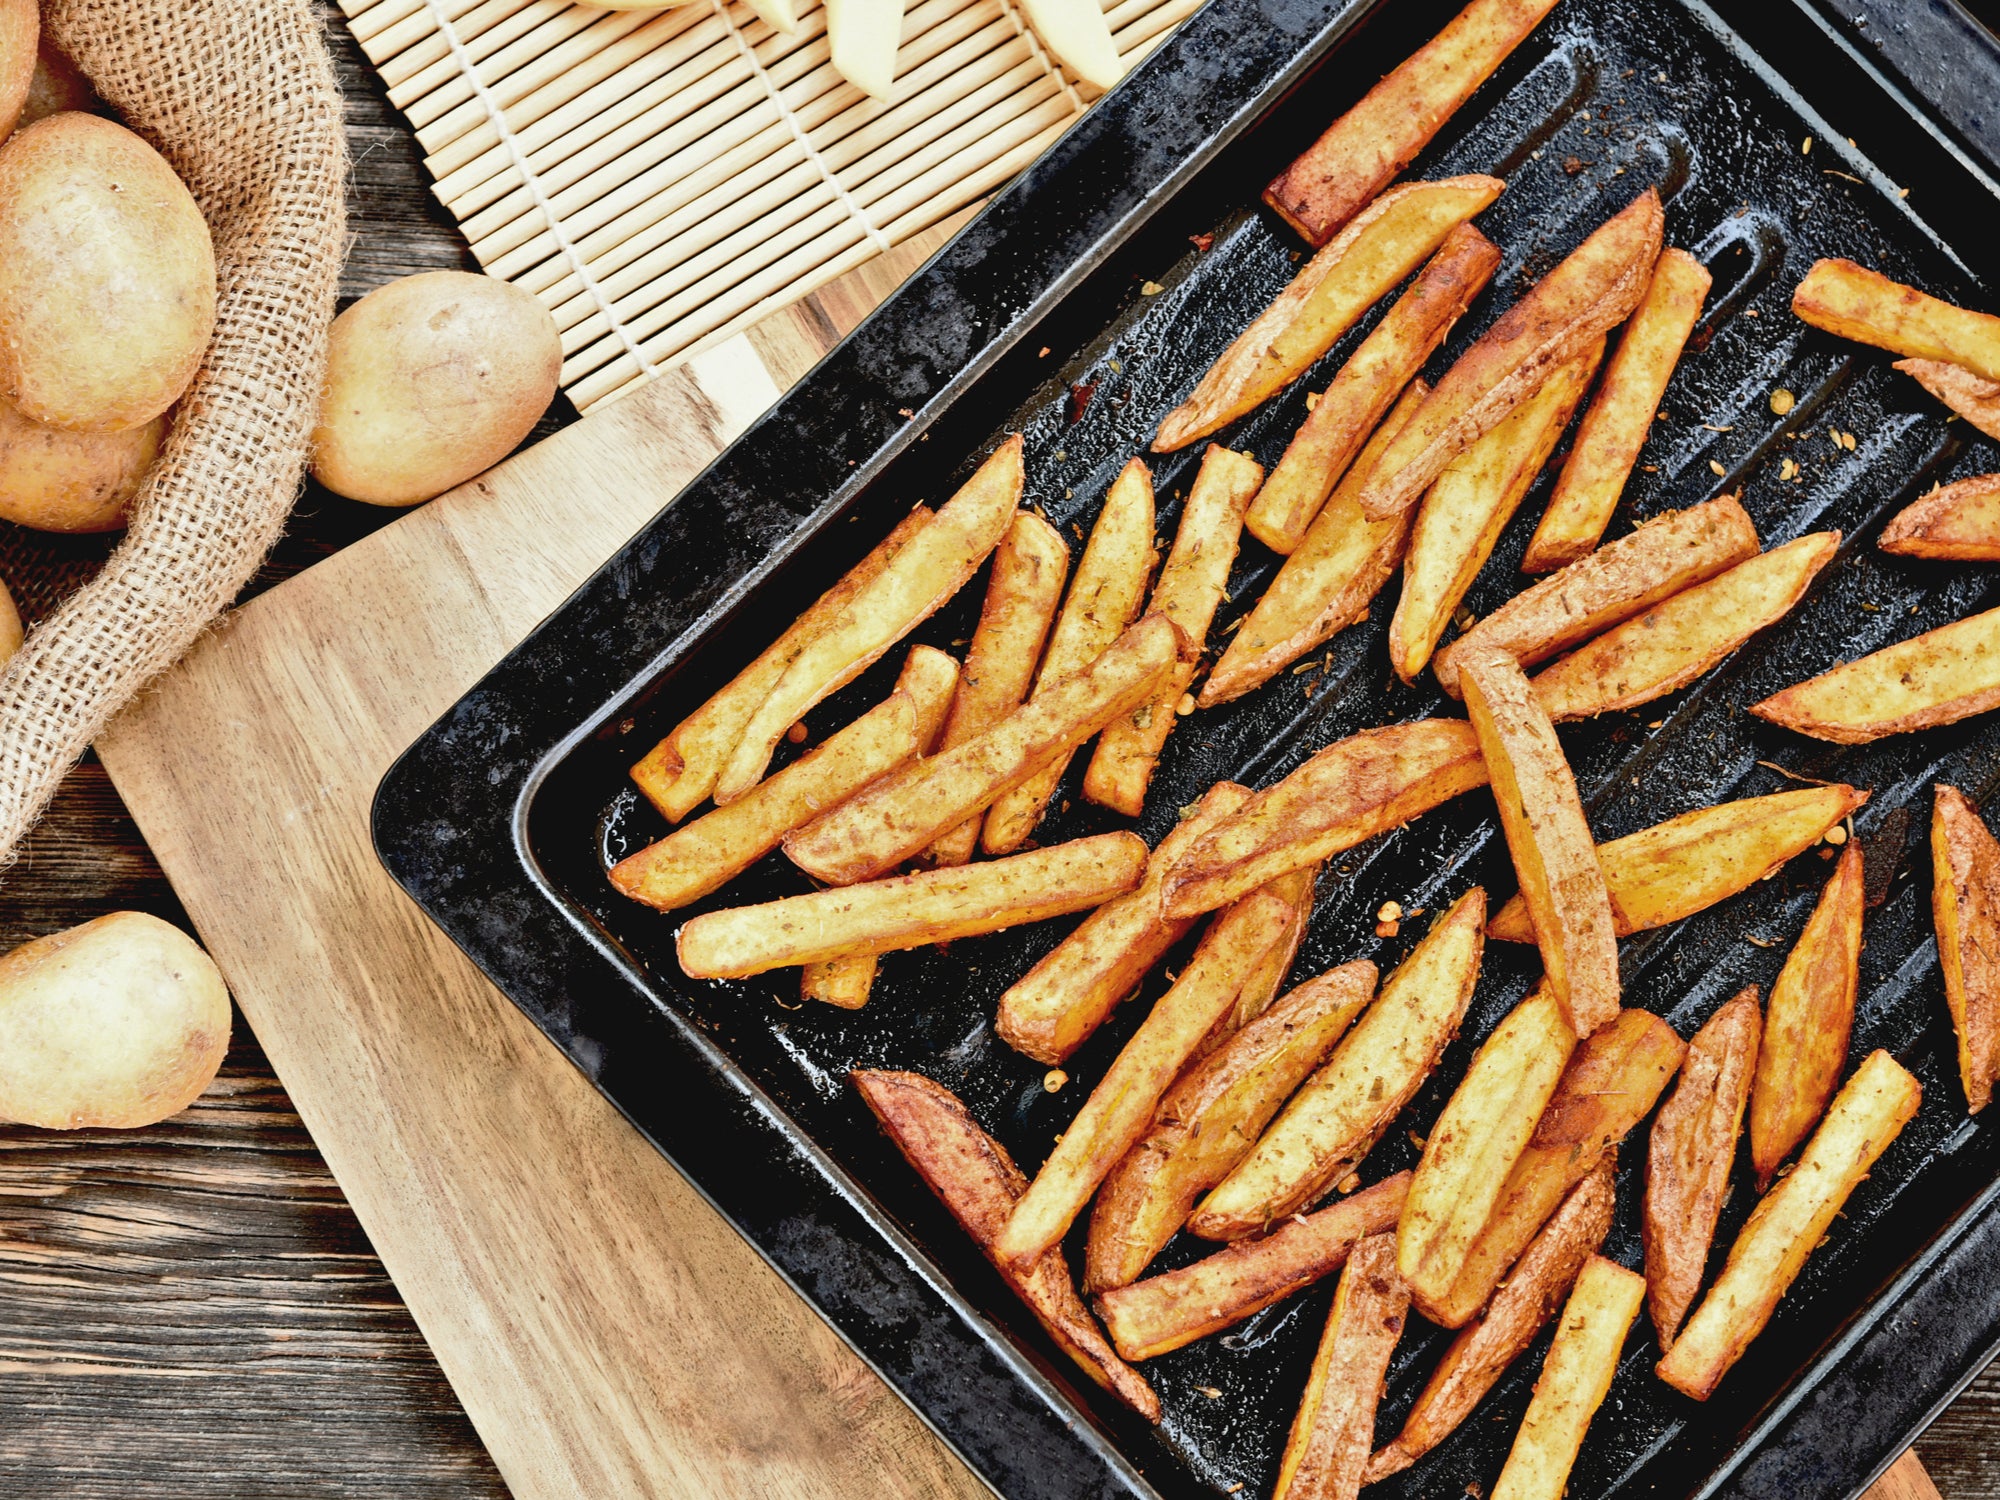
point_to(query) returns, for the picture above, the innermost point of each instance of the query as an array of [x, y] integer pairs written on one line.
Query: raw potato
[[1960, 520], [1965, 904], [107, 277], [11, 633], [117, 1023], [1080, 37], [864, 36], [1939, 677], [1973, 397], [53, 480], [1866, 306], [20, 30]]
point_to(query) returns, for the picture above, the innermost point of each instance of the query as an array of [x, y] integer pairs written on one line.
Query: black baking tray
[[1078, 308]]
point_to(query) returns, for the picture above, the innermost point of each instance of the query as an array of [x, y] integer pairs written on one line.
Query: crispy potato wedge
[[1343, 1110], [845, 982], [1104, 597], [1608, 586], [1350, 791], [1808, 1022], [1688, 1159], [1211, 1117], [1973, 397], [1574, 1381], [978, 1181], [1939, 677], [1959, 520], [1676, 641], [1965, 904], [1298, 890], [1486, 1125], [1367, 386], [910, 911], [1363, 150], [1866, 306], [1472, 501], [1565, 312], [1867, 1114], [1168, 1311], [929, 568], [1327, 1452], [1687, 864], [1547, 837], [1118, 1110], [1621, 414], [1383, 244], [1188, 593]]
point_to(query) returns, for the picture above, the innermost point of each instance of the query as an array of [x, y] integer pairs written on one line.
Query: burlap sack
[[239, 96]]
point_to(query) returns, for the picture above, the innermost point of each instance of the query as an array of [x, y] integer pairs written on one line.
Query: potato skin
[[107, 277], [430, 380], [20, 29], [54, 480], [10, 627]]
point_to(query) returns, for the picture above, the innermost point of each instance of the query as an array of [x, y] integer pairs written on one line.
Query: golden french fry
[[1867, 1114], [1583, 298], [1939, 677], [1104, 597], [931, 567], [1973, 397], [1574, 1380], [1188, 593], [1352, 790], [1469, 505], [1688, 1159], [1168, 1311], [909, 911], [1344, 1108], [1676, 641], [1547, 837], [1363, 150], [1367, 386], [978, 1181], [1960, 520], [1621, 414], [1386, 242], [1866, 306], [1965, 905], [1687, 864], [845, 982], [1296, 890]]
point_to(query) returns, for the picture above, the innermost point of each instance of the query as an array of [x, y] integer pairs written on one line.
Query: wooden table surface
[[192, 1311]]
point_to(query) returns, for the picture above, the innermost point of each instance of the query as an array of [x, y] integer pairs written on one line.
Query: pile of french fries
[[1244, 1108]]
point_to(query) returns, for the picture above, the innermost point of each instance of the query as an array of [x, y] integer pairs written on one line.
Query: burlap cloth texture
[[239, 96]]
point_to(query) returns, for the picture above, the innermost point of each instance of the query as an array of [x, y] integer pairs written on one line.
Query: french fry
[[1053, 1009], [978, 1181], [1211, 1117], [678, 774], [1485, 1127], [1688, 1159], [1104, 597], [1960, 521], [845, 982], [1687, 864], [1296, 890], [910, 911], [1484, 1348], [1867, 1114], [1168, 1311], [1574, 1381], [1188, 593], [1608, 586], [1383, 244], [1326, 584], [1866, 306], [1810, 1018], [1118, 1110], [877, 829], [1343, 1109], [1362, 151], [1367, 386], [1547, 837], [1583, 298], [1352, 790], [1621, 414], [1939, 677], [1973, 397], [1469, 505], [931, 567], [1676, 641], [1327, 1452], [1965, 904]]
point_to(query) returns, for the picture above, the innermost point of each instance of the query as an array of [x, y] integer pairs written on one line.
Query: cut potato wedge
[[1327, 1452], [1298, 891], [1965, 903], [845, 982], [1973, 397], [863, 36], [1866, 306], [1077, 32], [1939, 677], [1960, 520]]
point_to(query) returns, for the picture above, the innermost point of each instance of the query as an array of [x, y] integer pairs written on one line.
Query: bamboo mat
[[662, 179]]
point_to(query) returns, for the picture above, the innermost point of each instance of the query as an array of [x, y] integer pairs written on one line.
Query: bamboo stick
[[482, 30], [514, 72]]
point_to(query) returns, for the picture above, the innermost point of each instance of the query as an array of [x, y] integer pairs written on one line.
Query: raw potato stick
[[1965, 904], [1973, 397], [1960, 521], [863, 36], [1866, 306], [1939, 677], [1621, 414], [1080, 37], [1867, 1114]]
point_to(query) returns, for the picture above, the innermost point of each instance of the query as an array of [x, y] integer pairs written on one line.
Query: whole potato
[[107, 276], [20, 29], [119, 1022], [58, 85], [431, 380], [10, 627], [71, 481]]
